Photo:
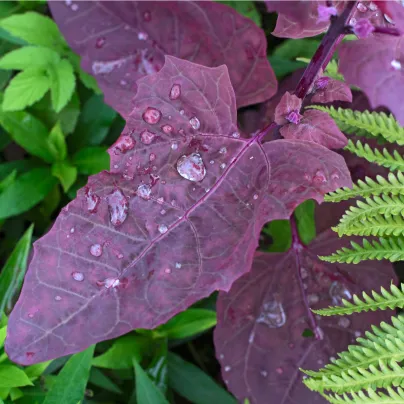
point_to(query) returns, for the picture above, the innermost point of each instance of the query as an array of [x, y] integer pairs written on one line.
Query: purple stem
[[325, 50]]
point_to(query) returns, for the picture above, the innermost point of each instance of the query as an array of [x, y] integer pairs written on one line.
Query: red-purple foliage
[[177, 218], [258, 338], [328, 90], [122, 41]]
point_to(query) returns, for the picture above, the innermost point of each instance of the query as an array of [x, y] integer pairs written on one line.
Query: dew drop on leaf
[[78, 276], [151, 116], [264, 373], [167, 129], [313, 298], [152, 157], [344, 322], [361, 7], [125, 143], [223, 166], [58, 298], [117, 206], [194, 122], [111, 283], [178, 265], [319, 177], [147, 137], [93, 201], [396, 64], [191, 167], [163, 228], [279, 371], [144, 191], [175, 92], [96, 250], [142, 36], [147, 16], [223, 150], [227, 368], [72, 230], [167, 271], [272, 314], [255, 197], [337, 292], [174, 146], [236, 135], [75, 7]]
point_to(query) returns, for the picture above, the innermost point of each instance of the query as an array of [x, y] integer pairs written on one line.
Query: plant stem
[[325, 50]]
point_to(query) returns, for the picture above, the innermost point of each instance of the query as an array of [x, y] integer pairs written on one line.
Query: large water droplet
[[144, 191], [339, 291], [191, 167], [96, 250], [162, 228], [147, 137], [93, 200], [151, 116], [194, 122], [175, 92], [272, 314], [78, 276], [118, 207], [125, 143]]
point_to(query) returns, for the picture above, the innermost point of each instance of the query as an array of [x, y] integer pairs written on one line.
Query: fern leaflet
[[390, 396]]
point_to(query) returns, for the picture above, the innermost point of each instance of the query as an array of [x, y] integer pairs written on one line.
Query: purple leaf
[[297, 19], [317, 127], [144, 242], [123, 41], [288, 105], [330, 90], [374, 65], [258, 337]]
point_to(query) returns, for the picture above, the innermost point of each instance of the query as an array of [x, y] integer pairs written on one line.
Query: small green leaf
[[146, 391], [297, 48], [3, 333], [25, 89], [6, 182], [66, 173], [192, 383], [12, 376], [91, 160], [70, 384], [120, 355], [28, 57], [283, 67], [15, 394], [12, 274], [63, 82], [57, 143], [29, 132], [34, 371], [35, 29], [281, 235], [306, 225], [100, 380], [25, 192], [189, 322]]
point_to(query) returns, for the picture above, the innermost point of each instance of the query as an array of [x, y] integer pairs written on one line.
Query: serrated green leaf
[[146, 391], [91, 160], [306, 225], [70, 384], [12, 376], [29, 57], [25, 89], [29, 132], [66, 173], [12, 274], [62, 85], [25, 192], [57, 143], [35, 29]]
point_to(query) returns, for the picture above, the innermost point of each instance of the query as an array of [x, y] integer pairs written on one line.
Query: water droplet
[[124, 143], [313, 298], [174, 146], [100, 42], [144, 191], [178, 265], [72, 230], [116, 166], [152, 157], [372, 6], [344, 322], [96, 250], [303, 273], [75, 7], [212, 162], [147, 16], [236, 135], [352, 21], [163, 228], [362, 8], [58, 298], [30, 315], [191, 167], [175, 92], [167, 271], [147, 137], [388, 19], [167, 129], [151, 115], [357, 334], [182, 112], [93, 200], [227, 368], [223, 150], [396, 64], [223, 166], [252, 158], [335, 176], [142, 36], [78, 276], [279, 371], [337, 292], [194, 122], [272, 314], [255, 197], [221, 356], [118, 207], [251, 337], [163, 212], [264, 373], [111, 283], [123, 83], [319, 177]]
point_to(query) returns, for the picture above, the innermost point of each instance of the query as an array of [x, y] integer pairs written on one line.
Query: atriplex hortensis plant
[[179, 214]]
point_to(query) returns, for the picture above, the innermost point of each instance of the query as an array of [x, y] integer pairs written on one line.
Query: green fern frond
[[394, 184], [378, 301], [377, 226], [382, 158], [362, 123], [382, 376], [390, 396], [373, 206], [391, 249]]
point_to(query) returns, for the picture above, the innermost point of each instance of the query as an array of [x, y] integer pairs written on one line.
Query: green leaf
[[281, 234], [6, 182], [91, 160], [28, 57], [25, 192], [12, 376], [3, 333], [245, 8], [146, 391], [189, 322], [283, 67], [66, 173], [34, 371], [157, 370], [57, 143], [294, 48], [70, 383], [12, 274], [192, 383], [93, 125], [20, 166], [306, 225], [63, 82], [120, 355], [25, 89], [35, 29], [100, 380], [15, 394], [29, 132]]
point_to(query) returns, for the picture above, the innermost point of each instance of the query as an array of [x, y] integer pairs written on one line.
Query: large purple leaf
[[374, 65], [258, 336], [123, 41], [178, 217]]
